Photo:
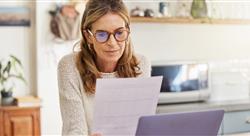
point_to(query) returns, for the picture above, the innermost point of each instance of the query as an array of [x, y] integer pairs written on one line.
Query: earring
[[91, 48]]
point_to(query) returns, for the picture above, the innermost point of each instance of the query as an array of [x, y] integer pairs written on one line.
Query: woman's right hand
[[96, 134]]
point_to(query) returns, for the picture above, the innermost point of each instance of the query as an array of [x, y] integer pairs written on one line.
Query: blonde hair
[[127, 65]]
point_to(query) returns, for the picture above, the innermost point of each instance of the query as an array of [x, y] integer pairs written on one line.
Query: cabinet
[[236, 122], [19, 121]]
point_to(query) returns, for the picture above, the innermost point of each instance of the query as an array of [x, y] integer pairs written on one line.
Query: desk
[[236, 114], [227, 106]]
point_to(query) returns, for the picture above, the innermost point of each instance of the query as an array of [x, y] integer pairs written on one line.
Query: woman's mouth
[[112, 51]]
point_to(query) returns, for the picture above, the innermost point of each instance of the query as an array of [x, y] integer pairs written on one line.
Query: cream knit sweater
[[76, 106]]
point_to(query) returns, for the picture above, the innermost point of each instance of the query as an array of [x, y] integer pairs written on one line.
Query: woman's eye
[[119, 33], [102, 34]]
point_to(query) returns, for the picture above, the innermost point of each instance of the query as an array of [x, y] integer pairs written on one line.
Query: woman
[[106, 52]]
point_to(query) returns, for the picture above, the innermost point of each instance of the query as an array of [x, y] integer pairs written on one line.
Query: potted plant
[[10, 70]]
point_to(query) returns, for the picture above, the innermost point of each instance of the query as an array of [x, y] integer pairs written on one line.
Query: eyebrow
[[109, 31]]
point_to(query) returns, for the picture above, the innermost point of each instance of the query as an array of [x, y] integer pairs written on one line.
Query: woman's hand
[[96, 134]]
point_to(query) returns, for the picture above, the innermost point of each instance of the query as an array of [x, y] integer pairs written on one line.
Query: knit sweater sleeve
[[71, 104], [145, 66]]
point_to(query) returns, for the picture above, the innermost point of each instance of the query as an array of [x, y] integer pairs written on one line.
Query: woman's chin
[[112, 58]]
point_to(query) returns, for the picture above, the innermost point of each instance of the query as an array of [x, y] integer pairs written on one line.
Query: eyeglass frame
[[109, 33]]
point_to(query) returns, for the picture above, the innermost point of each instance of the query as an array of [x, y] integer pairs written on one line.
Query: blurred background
[[166, 31]]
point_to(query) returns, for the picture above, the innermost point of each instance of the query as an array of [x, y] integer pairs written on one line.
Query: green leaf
[[16, 60], [12, 69], [7, 68], [21, 77]]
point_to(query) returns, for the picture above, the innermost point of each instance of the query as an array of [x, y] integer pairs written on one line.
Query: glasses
[[102, 36]]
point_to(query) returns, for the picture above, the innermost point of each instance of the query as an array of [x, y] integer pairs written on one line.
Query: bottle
[[199, 9], [163, 8]]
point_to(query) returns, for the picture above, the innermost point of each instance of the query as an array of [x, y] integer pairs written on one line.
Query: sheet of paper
[[119, 102]]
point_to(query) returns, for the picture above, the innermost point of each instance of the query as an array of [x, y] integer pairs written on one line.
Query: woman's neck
[[106, 67]]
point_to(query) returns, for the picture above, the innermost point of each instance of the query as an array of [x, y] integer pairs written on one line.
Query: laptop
[[202, 123]]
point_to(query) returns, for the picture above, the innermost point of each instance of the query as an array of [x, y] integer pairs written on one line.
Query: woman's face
[[108, 48]]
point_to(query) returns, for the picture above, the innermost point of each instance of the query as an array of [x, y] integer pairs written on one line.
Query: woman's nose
[[112, 41]]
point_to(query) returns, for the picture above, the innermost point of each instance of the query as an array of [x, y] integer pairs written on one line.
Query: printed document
[[119, 102]]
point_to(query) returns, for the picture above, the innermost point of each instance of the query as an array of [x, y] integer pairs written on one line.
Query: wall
[[49, 51], [20, 41], [48, 54], [191, 42]]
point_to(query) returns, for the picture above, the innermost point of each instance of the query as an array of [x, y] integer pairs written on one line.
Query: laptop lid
[[203, 123]]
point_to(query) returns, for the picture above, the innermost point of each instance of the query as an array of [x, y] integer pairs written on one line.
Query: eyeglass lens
[[103, 36]]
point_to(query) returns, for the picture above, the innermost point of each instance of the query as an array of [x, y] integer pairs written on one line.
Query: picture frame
[[15, 16]]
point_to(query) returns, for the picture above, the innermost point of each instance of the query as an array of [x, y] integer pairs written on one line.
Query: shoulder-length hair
[[127, 65]]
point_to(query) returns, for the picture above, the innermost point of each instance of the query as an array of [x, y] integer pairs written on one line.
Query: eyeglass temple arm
[[90, 32]]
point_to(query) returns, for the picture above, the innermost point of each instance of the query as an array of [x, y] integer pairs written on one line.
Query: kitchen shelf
[[188, 20]]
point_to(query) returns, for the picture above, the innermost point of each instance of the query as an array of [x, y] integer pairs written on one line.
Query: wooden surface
[[19, 121], [188, 20], [1, 122]]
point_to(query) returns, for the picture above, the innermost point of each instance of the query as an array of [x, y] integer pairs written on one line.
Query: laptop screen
[[203, 123]]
